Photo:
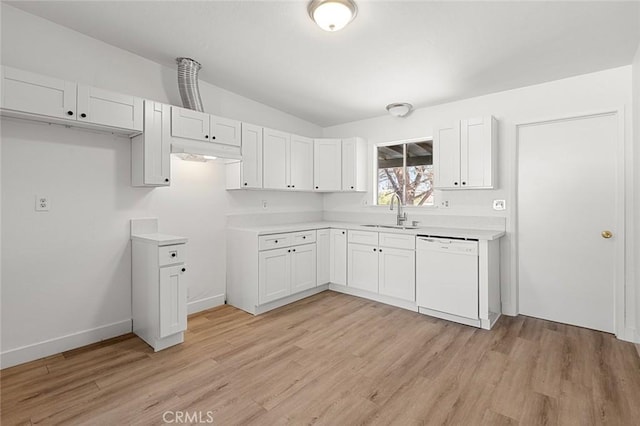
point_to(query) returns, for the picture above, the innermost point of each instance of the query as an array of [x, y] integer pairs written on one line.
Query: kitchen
[[66, 273]]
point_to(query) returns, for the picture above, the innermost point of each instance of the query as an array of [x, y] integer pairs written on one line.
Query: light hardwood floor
[[337, 360]]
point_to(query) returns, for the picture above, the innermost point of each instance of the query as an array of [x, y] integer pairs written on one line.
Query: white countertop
[[476, 234], [159, 239]]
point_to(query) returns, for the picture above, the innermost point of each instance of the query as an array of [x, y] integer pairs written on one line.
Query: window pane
[[390, 173], [419, 183]]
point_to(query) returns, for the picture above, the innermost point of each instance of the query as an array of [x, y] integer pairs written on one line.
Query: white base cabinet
[[338, 256], [323, 256], [266, 271], [159, 288]]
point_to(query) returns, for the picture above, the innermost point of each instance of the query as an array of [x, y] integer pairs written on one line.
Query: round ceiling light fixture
[[400, 109], [332, 15]]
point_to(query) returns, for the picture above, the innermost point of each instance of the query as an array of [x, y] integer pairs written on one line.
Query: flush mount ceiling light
[[400, 109], [332, 15]]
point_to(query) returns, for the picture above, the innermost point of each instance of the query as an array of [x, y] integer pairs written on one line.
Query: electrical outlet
[[42, 203], [444, 204], [499, 205], [264, 204]]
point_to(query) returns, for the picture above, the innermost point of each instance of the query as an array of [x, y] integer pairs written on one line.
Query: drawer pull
[[173, 254], [184, 269]]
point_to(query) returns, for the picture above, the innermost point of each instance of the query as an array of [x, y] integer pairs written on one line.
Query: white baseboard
[[60, 344], [204, 304], [629, 335]]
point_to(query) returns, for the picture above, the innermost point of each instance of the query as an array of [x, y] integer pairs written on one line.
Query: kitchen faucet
[[402, 217]]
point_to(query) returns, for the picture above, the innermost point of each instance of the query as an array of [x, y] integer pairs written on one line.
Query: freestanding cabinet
[[159, 288]]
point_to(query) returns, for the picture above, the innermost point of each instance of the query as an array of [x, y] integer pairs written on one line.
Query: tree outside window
[[406, 169]]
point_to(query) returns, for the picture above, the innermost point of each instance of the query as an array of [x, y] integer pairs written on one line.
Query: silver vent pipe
[[188, 83]]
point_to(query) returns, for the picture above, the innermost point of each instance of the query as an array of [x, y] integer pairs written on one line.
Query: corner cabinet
[[159, 289], [42, 98], [151, 150], [465, 154]]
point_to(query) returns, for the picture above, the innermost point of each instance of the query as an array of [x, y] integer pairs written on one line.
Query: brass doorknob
[[606, 234]]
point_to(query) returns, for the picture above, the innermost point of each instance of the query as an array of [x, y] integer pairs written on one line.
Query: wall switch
[[499, 205], [42, 203], [264, 204], [444, 204]]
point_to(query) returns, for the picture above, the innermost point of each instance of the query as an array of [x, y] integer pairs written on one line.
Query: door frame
[[621, 195]]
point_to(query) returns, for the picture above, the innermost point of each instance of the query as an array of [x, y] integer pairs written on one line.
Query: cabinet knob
[[206, 136], [83, 115], [343, 232], [288, 251], [288, 186], [184, 269], [316, 187], [380, 250], [245, 184], [375, 249], [276, 241], [304, 237], [213, 137], [294, 250], [166, 179], [464, 183], [455, 183], [352, 187], [69, 112], [293, 186], [173, 255]]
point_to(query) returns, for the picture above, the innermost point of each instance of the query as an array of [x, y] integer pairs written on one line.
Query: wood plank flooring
[[335, 359]]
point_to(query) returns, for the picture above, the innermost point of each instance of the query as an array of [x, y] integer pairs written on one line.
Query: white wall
[[610, 89], [636, 156], [68, 271]]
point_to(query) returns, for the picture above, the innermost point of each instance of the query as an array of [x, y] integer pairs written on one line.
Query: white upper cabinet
[[151, 150], [225, 131], [465, 154], [300, 163], [107, 108], [49, 99], [327, 165], [354, 164], [189, 124], [275, 160], [251, 164], [38, 94]]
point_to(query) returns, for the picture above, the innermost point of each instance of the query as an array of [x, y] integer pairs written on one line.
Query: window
[[405, 169]]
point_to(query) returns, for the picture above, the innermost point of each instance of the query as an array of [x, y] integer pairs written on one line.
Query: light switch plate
[[42, 203], [499, 204]]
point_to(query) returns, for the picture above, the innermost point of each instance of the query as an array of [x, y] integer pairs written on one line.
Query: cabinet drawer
[[304, 237], [170, 255], [268, 242], [398, 241], [363, 237]]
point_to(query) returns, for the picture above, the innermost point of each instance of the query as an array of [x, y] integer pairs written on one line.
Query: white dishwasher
[[447, 275]]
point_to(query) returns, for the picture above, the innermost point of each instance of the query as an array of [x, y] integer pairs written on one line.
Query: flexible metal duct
[[188, 83]]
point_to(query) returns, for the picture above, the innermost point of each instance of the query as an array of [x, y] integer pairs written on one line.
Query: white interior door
[[567, 197]]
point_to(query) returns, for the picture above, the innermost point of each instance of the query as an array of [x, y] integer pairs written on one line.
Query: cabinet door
[[301, 163], [276, 151], [189, 124], [303, 267], [173, 301], [338, 256], [225, 130], [397, 273], [476, 149], [109, 109], [327, 164], [274, 275], [354, 164], [37, 94], [363, 267], [151, 151], [251, 156], [446, 157], [323, 257]]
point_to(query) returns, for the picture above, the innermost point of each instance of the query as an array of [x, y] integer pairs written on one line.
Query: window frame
[[374, 174]]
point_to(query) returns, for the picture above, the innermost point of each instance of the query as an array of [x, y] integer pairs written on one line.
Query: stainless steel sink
[[391, 226]]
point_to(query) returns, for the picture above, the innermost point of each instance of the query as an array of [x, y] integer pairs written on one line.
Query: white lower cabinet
[[338, 256], [303, 268], [397, 273], [323, 256], [363, 267], [382, 263], [275, 274], [159, 289]]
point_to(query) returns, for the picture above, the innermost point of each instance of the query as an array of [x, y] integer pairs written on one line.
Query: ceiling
[[424, 53]]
